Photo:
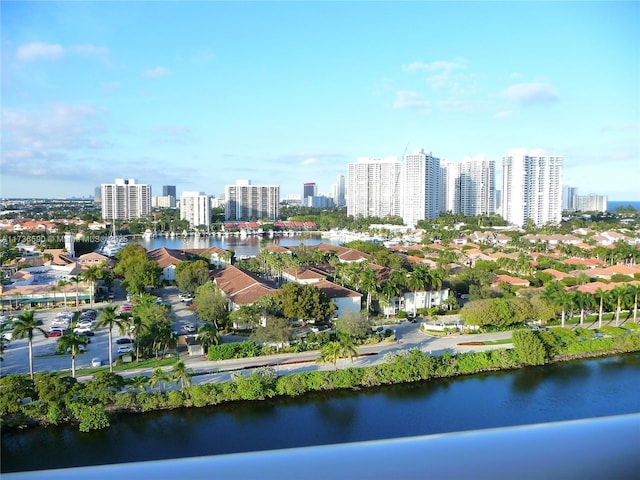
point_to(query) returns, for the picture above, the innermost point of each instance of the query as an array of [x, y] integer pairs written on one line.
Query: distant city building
[[531, 189], [421, 189], [125, 200], [169, 190], [195, 207], [498, 207], [217, 202], [250, 202], [339, 195], [374, 187], [318, 201], [590, 203], [469, 186], [309, 190], [165, 201], [97, 195], [568, 194]]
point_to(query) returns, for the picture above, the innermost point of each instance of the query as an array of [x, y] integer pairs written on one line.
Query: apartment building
[[531, 188], [469, 186], [125, 199], [248, 202], [421, 187], [195, 207], [590, 203], [374, 187]]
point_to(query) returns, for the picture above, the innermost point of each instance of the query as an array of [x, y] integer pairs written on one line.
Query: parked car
[[81, 349], [158, 300], [124, 341], [126, 307], [96, 362], [7, 335], [111, 296], [82, 330], [56, 332], [125, 349], [189, 327], [185, 297]]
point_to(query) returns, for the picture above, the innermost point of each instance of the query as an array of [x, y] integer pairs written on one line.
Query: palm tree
[[139, 383], [347, 347], [182, 374], [72, 341], [330, 353], [369, 283], [584, 301], [208, 335], [109, 318], [76, 279], [24, 326], [620, 293], [92, 274], [601, 295], [635, 291], [62, 284], [158, 377]]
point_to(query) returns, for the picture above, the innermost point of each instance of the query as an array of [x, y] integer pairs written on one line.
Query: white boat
[[147, 235]]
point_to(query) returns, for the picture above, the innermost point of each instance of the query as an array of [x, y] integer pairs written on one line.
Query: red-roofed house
[[167, 259]]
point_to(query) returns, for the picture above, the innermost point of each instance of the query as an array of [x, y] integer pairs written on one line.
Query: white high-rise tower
[[125, 199], [374, 187], [195, 207], [531, 188], [421, 187]]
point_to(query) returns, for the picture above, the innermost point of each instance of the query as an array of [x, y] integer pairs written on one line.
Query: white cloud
[[155, 72], [37, 50], [309, 161], [531, 93], [503, 114], [624, 127], [89, 50], [409, 99], [434, 66], [110, 87]]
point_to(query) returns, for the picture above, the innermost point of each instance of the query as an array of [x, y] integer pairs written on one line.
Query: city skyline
[[201, 94]]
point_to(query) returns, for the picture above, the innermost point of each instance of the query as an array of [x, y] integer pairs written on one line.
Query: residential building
[[568, 194], [309, 190], [531, 188], [169, 190], [195, 207], [590, 203], [469, 186], [422, 187], [338, 192], [246, 202], [374, 187], [125, 200]]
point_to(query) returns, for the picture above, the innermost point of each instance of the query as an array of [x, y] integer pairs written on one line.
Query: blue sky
[[199, 94]]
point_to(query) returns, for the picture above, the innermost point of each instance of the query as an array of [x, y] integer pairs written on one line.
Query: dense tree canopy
[[305, 302], [190, 275]]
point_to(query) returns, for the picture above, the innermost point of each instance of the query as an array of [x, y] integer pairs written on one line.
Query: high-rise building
[[251, 202], [374, 188], [590, 203], [339, 192], [531, 188], [170, 191], [195, 207], [422, 190], [469, 186], [309, 189], [125, 200], [568, 194]]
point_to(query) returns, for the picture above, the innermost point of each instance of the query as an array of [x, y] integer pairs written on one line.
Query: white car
[[125, 349], [80, 349], [96, 362], [185, 297], [84, 325], [189, 327]]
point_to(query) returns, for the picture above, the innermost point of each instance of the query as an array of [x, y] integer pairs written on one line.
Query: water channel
[[565, 391]]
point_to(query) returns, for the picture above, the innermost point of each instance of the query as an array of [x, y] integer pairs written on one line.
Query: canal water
[[247, 246], [565, 391]]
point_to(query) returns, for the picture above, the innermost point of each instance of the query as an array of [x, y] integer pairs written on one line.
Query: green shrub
[[529, 347], [227, 351]]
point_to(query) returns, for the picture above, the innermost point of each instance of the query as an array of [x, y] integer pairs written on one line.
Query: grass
[[498, 342]]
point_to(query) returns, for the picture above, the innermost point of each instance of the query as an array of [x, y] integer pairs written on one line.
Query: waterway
[[248, 246], [565, 391]]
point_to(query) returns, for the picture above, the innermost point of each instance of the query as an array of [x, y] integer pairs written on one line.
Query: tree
[[275, 330], [109, 318], [180, 373], [620, 294], [356, 325], [529, 347], [159, 378], [137, 270], [76, 279], [369, 283], [208, 335], [92, 275], [72, 341], [245, 315], [190, 275], [139, 383], [601, 295], [305, 302], [211, 304], [62, 284], [330, 353], [25, 326], [584, 301], [347, 347]]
